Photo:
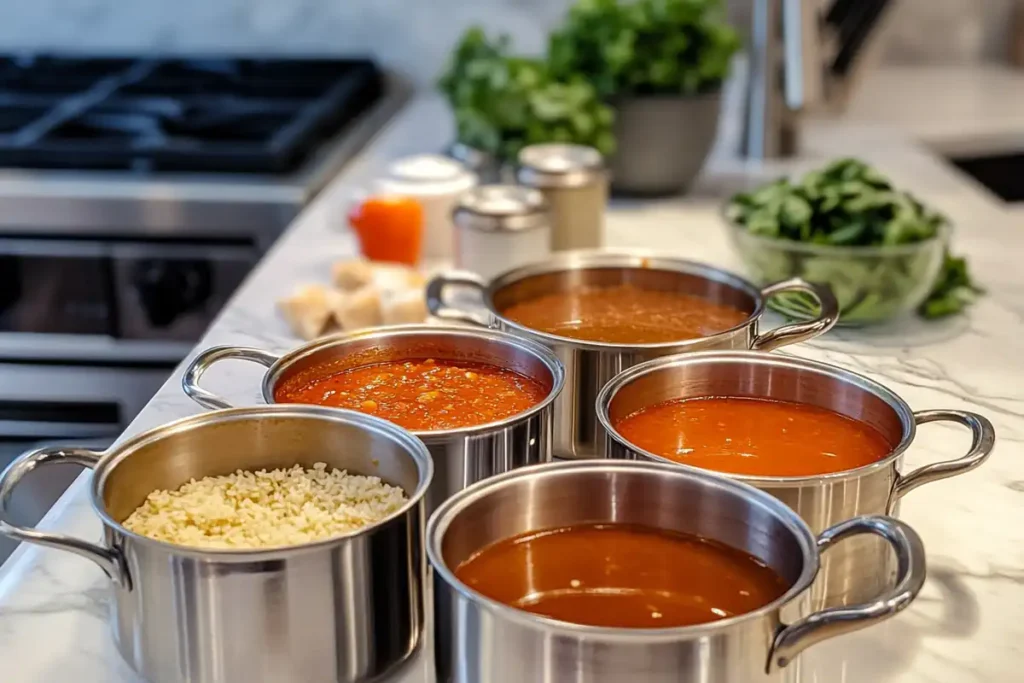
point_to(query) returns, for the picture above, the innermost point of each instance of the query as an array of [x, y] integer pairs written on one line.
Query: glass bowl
[[872, 284]]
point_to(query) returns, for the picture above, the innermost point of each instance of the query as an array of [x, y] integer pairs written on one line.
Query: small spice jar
[[575, 184], [500, 227], [436, 182]]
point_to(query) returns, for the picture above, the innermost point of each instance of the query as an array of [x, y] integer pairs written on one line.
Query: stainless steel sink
[[1002, 174]]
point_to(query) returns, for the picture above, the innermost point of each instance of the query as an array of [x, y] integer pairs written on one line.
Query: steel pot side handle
[[108, 559], [202, 362], [983, 440], [802, 331], [793, 639], [439, 307]]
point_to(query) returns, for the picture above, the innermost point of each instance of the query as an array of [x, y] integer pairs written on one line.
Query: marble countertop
[[955, 109], [964, 628]]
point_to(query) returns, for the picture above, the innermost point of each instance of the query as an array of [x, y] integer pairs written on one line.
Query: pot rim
[[443, 516], [123, 450], [623, 259], [538, 351], [898, 405]]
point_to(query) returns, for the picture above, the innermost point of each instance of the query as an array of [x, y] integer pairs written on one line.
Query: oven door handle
[[202, 362], [40, 430]]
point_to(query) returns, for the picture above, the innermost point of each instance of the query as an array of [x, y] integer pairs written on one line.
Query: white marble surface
[[957, 110], [965, 627]]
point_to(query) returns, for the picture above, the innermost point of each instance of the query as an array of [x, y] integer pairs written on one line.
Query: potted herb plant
[[660, 64], [503, 102]]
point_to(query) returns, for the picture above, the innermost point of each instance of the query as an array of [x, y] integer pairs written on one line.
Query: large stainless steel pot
[[461, 456], [862, 567], [589, 365], [479, 639], [342, 610]]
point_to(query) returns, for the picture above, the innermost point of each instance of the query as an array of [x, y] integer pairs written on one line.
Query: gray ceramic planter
[[662, 142]]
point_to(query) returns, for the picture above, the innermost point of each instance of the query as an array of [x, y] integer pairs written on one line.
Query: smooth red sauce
[[621, 576], [754, 436], [625, 314], [421, 395]]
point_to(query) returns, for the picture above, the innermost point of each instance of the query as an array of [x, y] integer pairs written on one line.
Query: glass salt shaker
[[500, 227]]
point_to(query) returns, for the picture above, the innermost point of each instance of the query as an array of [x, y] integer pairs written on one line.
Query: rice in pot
[[248, 510]]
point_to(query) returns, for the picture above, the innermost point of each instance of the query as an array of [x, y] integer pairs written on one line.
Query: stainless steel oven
[[90, 327], [118, 289], [47, 403]]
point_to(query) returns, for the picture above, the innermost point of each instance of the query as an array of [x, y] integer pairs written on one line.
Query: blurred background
[[416, 36]]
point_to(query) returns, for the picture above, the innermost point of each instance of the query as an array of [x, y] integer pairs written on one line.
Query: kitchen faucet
[[803, 55]]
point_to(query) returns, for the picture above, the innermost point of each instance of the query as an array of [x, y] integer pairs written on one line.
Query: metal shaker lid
[[426, 175], [559, 165], [499, 208]]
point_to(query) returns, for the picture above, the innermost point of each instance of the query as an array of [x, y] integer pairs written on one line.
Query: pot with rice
[[269, 543]]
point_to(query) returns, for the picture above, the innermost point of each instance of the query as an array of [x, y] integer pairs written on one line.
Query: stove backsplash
[[413, 36]]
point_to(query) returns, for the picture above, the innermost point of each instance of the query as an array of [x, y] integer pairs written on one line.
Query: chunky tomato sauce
[[625, 314], [754, 436], [421, 395], [621, 576]]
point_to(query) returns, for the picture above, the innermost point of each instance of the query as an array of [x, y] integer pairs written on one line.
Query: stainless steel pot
[[479, 639], [461, 456], [589, 365], [341, 610], [862, 567]]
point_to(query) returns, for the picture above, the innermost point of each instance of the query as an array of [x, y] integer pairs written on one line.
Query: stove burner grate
[[205, 115]]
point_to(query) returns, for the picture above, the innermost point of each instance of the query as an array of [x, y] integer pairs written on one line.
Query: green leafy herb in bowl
[[882, 251]]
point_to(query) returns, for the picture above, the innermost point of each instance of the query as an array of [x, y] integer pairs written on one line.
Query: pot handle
[[439, 307], [202, 362], [793, 639], [983, 440], [109, 559], [802, 331]]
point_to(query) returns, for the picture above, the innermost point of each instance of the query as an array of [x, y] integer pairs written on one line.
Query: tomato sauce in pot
[[420, 394], [621, 576], [625, 314], [754, 436]]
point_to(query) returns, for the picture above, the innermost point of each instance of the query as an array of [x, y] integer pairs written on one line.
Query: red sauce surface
[[421, 395], [754, 436], [622, 576], [625, 314]]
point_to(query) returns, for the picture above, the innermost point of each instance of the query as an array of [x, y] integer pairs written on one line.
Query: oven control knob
[[170, 288]]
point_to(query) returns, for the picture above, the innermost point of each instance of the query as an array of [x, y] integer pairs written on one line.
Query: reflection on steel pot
[[589, 365], [461, 456], [479, 639], [344, 609], [857, 570]]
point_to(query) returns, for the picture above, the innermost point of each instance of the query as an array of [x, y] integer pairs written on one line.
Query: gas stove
[[135, 196], [176, 146]]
